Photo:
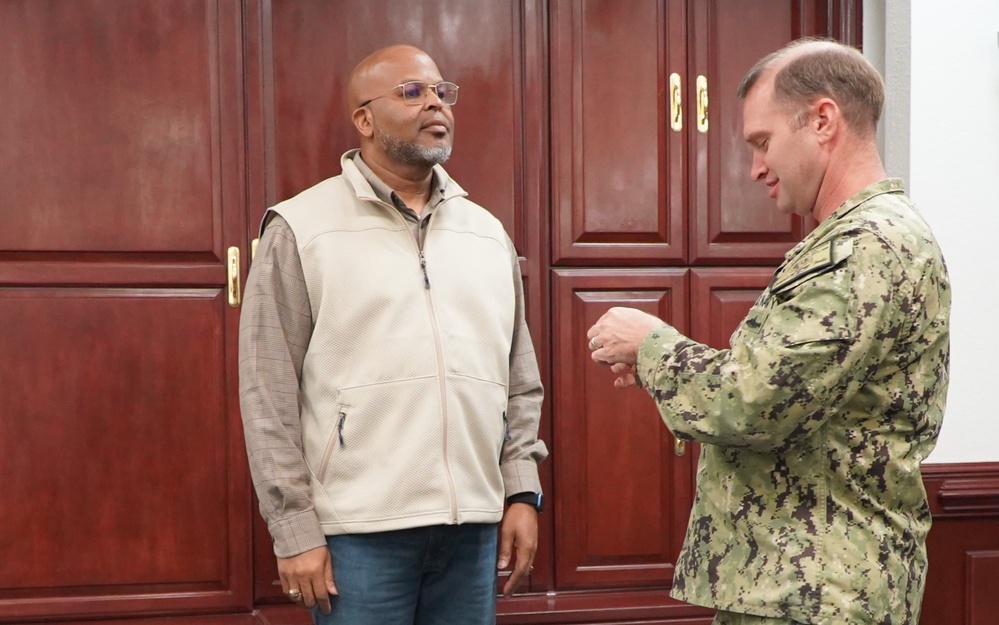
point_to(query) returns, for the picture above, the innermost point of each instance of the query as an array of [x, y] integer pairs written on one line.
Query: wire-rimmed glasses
[[416, 92]]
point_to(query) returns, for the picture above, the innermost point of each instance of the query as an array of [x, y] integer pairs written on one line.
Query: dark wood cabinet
[[122, 187], [141, 142]]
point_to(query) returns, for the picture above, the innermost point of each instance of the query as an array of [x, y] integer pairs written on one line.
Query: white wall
[[944, 140]]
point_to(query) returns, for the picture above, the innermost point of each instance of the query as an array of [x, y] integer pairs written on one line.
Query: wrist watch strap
[[532, 499]]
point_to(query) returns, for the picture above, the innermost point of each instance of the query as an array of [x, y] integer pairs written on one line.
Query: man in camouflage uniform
[[810, 507]]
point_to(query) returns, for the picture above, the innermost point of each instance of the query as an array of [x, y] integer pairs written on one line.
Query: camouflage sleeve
[[803, 350]]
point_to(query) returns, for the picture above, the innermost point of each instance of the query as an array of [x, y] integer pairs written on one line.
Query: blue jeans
[[437, 575]]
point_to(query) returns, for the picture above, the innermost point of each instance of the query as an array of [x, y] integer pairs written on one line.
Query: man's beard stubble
[[412, 153]]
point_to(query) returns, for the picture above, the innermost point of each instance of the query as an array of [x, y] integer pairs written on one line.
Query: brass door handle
[[702, 104], [675, 106], [233, 276], [679, 447]]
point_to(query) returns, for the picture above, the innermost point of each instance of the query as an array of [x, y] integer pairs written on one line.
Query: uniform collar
[[888, 185]]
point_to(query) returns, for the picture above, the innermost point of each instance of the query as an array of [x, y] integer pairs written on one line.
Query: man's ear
[[363, 122], [827, 119]]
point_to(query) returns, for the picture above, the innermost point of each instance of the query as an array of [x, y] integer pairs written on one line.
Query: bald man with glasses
[[389, 389]]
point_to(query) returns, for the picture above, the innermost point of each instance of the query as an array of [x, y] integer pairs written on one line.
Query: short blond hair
[[811, 68]]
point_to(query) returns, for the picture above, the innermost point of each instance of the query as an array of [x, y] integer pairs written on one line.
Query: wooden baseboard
[[962, 586]]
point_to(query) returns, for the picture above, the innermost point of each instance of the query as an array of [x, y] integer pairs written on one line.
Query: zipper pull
[[339, 427], [423, 266], [506, 427]]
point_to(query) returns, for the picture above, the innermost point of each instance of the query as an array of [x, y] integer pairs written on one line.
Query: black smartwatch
[[531, 499]]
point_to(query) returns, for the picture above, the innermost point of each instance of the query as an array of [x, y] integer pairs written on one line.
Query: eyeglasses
[[416, 92]]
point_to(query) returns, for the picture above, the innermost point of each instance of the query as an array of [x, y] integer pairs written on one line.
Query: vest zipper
[[339, 428], [442, 385], [423, 266], [328, 453]]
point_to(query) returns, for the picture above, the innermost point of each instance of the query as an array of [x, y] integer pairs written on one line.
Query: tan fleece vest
[[404, 388]]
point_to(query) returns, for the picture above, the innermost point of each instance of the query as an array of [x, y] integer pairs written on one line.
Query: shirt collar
[[442, 186]]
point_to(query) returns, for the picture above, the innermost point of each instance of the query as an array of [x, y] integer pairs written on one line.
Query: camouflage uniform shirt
[[810, 504]]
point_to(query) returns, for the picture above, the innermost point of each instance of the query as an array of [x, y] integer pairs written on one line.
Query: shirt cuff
[[520, 476], [296, 534]]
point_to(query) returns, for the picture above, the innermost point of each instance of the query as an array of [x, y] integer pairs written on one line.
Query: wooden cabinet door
[[300, 54], [622, 495], [121, 188], [617, 166], [732, 220]]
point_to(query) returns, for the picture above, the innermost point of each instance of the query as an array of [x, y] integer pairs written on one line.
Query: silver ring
[[294, 594], [593, 344]]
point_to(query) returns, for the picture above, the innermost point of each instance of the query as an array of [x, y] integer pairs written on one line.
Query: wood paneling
[[617, 168], [623, 496], [969, 497], [605, 606], [253, 618], [105, 91], [982, 593]]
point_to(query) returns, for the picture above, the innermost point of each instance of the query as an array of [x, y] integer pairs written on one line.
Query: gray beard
[[411, 153]]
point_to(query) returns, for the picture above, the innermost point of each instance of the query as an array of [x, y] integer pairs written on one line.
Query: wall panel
[[126, 497], [733, 220]]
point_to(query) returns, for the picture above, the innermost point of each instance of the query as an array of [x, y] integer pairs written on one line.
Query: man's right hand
[[311, 574]]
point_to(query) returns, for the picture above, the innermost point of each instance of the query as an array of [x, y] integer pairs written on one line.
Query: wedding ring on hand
[[294, 594], [593, 344]]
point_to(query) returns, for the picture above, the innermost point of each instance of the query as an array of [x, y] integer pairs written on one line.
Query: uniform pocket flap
[[817, 261]]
